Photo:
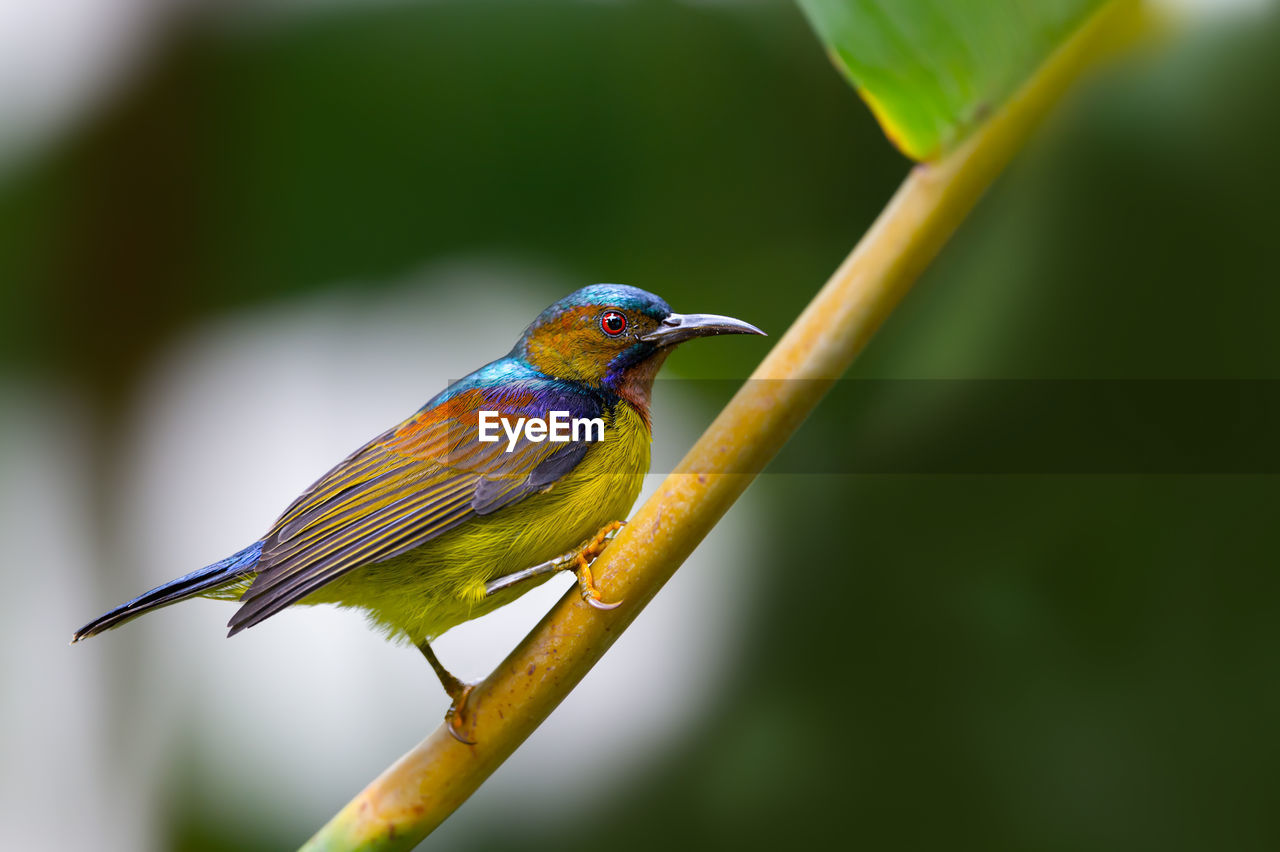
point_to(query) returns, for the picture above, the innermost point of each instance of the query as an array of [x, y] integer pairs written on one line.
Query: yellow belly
[[422, 593]]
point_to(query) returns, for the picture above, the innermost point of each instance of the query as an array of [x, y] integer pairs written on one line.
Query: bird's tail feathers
[[197, 582]]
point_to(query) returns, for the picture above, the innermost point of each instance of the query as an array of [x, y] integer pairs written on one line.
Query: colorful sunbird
[[437, 521]]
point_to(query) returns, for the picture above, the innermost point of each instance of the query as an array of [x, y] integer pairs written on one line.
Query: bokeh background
[[238, 239]]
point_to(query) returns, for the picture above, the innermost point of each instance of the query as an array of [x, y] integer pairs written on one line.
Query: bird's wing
[[407, 486]]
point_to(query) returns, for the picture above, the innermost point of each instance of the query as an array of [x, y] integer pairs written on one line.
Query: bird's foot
[[455, 716], [583, 559], [459, 691]]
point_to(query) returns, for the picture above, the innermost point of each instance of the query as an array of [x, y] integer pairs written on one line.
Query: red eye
[[613, 323]]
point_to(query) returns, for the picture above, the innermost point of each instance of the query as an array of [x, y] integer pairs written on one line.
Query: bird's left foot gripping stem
[[582, 565], [458, 691]]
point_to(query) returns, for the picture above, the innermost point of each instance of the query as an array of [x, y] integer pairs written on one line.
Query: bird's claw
[[591, 594], [457, 710], [601, 605], [582, 566], [587, 583]]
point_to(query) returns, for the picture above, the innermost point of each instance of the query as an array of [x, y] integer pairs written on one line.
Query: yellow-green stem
[[420, 790]]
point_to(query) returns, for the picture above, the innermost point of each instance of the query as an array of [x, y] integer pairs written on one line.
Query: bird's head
[[614, 337]]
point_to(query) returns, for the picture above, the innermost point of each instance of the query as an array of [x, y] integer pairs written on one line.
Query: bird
[[446, 516]]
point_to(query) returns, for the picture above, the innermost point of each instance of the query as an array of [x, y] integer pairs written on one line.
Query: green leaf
[[931, 70]]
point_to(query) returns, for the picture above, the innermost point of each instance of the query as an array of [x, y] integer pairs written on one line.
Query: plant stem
[[420, 790]]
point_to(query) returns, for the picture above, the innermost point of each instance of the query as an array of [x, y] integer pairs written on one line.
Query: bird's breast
[[599, 489]]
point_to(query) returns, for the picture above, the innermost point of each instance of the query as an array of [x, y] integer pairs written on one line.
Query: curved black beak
[[680, 327]]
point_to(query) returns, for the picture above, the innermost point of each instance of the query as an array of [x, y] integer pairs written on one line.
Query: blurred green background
[[987, 662]]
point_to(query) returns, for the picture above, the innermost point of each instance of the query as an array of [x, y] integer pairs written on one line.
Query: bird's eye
[[613, 323]]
